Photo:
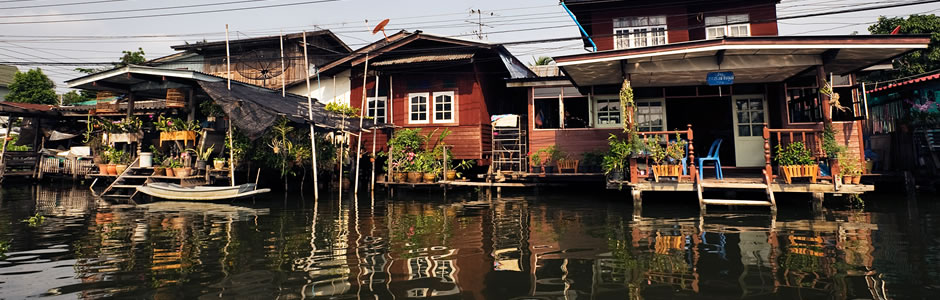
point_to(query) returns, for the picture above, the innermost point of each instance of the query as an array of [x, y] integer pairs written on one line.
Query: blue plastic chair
[[712, 156]]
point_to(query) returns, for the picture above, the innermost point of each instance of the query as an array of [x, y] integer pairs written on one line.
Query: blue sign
[[720, 78]]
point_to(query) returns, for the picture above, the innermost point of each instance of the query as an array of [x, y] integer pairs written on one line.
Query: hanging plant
[[626, 102], [833, 96]]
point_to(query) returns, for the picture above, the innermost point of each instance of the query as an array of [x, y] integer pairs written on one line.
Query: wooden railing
[[811, 138], [636, 177]]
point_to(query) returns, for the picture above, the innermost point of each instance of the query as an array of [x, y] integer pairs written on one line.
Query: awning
[[422, 59], [255, 109], [752, 59]]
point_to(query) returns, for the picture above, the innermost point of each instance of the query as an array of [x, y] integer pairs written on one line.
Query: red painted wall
[[684, 22], [469, 133]]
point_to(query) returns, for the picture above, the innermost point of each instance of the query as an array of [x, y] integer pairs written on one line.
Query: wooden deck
[[743, 183]]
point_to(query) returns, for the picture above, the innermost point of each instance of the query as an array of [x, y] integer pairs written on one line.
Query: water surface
[[463, 246]]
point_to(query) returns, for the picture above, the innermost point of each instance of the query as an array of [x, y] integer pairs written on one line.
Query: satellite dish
[[261, 64], [381, 27]]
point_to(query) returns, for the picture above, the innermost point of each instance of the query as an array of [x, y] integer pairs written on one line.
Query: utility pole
[[479, 22]]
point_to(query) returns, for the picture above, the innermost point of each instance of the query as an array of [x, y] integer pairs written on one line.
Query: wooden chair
[[567, 164]]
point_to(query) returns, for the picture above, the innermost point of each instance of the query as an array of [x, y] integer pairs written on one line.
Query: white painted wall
[[326, 93]]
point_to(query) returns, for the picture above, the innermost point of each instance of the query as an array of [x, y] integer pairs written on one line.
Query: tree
[[916, 62], [542, 61], [32, 87], [128, 58], [73, 97], [132, 57]]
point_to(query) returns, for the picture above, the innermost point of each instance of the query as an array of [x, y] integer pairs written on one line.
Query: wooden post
[[313, 140], [693, 171], [444, 163], [374, 130], [228, 62], [231, 153], [390, 172], [3, 161], [283, 84], [365, 77], [634, 171], [767, 166], [130, 104], [191, 101]]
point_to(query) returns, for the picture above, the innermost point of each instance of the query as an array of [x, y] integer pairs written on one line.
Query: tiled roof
[[915, 80]]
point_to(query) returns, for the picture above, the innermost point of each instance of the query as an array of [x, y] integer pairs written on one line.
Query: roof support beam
[[829, 55], [708, 63]]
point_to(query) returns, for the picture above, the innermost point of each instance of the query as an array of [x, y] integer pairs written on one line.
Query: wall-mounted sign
[[720, 78]]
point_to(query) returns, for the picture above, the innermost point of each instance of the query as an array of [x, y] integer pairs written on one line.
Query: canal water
[[62, 243]]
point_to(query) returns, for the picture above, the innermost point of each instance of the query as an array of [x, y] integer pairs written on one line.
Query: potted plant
[[851, 171], [796, 161], [536, 159], [101, 159], [553, 155], [666, 157], [218, 163], [120, 161], [428, 166], [174, 129], [168, 164], [202, 157], [411, 166], [616, 161]]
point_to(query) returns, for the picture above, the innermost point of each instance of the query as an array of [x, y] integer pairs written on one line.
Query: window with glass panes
[[377, 109], [650, 115], [730, 25], [607, 112], [418, 108], [633, 32], [750, 116], [443, 107]]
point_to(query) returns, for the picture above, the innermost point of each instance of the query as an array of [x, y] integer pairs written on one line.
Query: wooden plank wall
[[469, 137]]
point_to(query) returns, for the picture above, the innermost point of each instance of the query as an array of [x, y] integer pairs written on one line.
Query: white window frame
[[597, 113], [662, 104], [725, 27], [626, 37], [427, 108], [371, 111], [453, 107]]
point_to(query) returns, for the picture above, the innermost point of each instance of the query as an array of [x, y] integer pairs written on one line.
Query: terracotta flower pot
[[414, 177], [846, 179], [158, 171], [856, 179], [112, 169], [120, 169], [401, 176], [180, 172], [451, 175], [189, 171], [103, 169], [429, 177], [169, 172]]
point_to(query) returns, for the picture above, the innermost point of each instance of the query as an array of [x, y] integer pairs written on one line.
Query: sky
[[33, 31]]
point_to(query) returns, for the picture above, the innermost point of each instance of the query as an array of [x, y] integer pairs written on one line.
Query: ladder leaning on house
[[766, 186]]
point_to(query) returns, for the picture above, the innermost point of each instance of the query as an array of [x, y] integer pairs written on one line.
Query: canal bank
[[63, 242]]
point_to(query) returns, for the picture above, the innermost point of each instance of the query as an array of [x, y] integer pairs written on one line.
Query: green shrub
[[794, 154]]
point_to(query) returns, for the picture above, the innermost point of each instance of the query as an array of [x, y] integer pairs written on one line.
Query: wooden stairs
[[766, 186], [125, 184]]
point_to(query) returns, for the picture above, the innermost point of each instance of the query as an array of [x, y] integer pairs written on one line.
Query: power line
[[170, 14], [132, 10], [62, 4]]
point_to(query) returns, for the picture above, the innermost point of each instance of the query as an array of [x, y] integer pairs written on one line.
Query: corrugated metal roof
[[28, 106], [422, 58], [6, 74], [915, 80]]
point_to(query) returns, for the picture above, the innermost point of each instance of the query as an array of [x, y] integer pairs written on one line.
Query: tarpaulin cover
[[253, 109]]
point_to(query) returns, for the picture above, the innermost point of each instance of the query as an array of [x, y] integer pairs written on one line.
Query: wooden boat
[[174, 191]]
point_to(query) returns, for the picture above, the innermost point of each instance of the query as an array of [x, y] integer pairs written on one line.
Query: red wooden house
[[668, 49], [420, 80]]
